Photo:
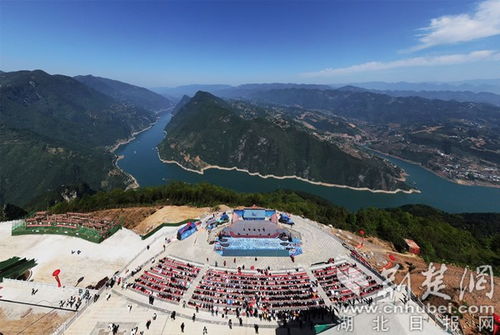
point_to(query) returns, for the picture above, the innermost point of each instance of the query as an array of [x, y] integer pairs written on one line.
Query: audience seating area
[[352, 278], [252, 293], [168, 279]]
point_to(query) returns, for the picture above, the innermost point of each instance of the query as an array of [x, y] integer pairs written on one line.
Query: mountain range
[[209, 131], [126, 93], [57, 131], [457, 140], [461, 96], [476, 85], [63, 128], [356, 103], [487, 91]]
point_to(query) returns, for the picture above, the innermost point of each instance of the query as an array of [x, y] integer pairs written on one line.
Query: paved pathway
[[187, 295], [47, 295], [96, 320], [319, 289]]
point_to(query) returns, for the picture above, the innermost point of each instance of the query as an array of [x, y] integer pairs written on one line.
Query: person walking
[[205, 331], [182, 327], [256, 327], [148, 323]]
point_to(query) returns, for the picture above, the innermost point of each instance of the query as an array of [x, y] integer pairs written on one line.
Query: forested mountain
[[210, 131], [184, 100], [457, 140], [55, 131], [62, 108], [372, 106], [126, 93]]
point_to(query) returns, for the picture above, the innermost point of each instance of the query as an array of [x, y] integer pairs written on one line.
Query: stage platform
[[255, 253], [252, 247]]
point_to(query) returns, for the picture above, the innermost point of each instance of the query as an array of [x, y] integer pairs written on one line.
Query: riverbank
[[132, 137], [131, 180], [234, 168], [142, 161], [455, 181]]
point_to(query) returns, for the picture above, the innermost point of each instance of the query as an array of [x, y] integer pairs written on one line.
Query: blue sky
[[168, 43]]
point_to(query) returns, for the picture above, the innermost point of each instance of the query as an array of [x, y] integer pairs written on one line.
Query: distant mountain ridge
[[189, 90], [210, 131], [376, 107], [468, 91], [476, 86], [460, 96], [228, 91], [127, 93]]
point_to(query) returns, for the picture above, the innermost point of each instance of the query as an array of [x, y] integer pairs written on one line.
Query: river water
[[141, 160]]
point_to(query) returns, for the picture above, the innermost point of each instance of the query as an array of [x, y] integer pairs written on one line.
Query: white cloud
[[474, 56], [449, 29]]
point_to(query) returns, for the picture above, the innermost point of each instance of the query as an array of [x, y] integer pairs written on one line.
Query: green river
[[141, 160]]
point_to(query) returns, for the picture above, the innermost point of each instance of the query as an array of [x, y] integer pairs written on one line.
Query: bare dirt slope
[[26, 320], [144, 219]]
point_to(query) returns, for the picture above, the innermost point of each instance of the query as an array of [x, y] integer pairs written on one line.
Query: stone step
[[189, 293]]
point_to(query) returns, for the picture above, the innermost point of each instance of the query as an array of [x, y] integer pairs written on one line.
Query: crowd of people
[[168, 279], [254, 294], [290, 298], [74, 300], [336, 289]]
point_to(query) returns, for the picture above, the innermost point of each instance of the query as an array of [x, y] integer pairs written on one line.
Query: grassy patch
[[82, 232]]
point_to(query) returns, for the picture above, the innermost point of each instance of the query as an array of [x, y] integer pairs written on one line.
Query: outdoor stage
[[316, 244], [256, 232]]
